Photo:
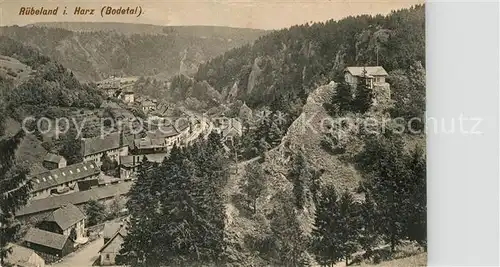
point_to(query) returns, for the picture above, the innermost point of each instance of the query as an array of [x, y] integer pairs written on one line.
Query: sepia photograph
[[213, 133]]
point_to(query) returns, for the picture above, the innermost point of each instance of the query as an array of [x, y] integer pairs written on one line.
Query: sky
[[258, 14]]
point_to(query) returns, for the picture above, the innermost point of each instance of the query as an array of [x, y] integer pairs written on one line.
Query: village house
[[53, 161], [130, 164], [23, 257], [148, 106], [109, 86], [62, 180], [375, 75], [112, 246], [65, 220], [128, 96], [110, 229], [113, 145], [48, 242], [229, 129], [147, 145]]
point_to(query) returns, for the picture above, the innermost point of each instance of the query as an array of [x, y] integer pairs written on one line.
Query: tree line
[[177, 212]]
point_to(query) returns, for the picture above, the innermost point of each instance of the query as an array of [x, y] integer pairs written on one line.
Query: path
[[84, 257]]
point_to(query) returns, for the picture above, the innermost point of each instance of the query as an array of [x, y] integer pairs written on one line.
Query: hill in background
[[94, 51]]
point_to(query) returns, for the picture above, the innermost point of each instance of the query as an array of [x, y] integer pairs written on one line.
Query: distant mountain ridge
[[138, 28], [95, 51]]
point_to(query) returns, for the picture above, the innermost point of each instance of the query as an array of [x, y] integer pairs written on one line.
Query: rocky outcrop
[[254, 74]]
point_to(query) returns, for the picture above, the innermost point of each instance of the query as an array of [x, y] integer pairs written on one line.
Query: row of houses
[[117, 87], [37, 209], [59, 233], [62, 180]]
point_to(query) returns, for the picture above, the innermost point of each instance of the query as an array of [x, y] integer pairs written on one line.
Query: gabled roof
[[53, 158], [122, 232], [233, 128], [66, 216], [110, 229], [60, 176], [45, 238], [372, 71], [97, 145], [52, 203], [19, 255]]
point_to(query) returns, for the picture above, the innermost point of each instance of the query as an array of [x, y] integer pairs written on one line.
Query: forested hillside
[[295, 194], [286, 64], [162, 52], [49, 84], [40, 87]]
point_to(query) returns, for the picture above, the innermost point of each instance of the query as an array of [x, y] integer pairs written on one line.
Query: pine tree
[[348, 225], [364, 96], [417, 221], [342, 100], [179, 207], [274, 135], [140, 193], [290, 242], [325, 242], [254, 185], [214, 174], [368, 236], [136, 249], [108, 165], [95, 212], [14, 192], [385, 163], [181, 230], [300, 175]]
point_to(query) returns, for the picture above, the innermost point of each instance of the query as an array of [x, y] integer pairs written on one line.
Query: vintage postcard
[[212, 133]]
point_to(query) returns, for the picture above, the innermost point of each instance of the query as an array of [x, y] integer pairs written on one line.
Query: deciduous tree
[[14, 191]]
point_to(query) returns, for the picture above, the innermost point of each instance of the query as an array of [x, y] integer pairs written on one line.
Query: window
[[107, 256]]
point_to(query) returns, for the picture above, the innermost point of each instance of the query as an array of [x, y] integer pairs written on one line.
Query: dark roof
[[128, 140], [60, 176], [372, 71], [19, 255], [97, 145], [181, 125], [45, 238], [53, 158], [66, 216], [52, 203]]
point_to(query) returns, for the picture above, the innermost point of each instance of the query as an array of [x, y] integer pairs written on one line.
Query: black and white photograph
[[213, 133]]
